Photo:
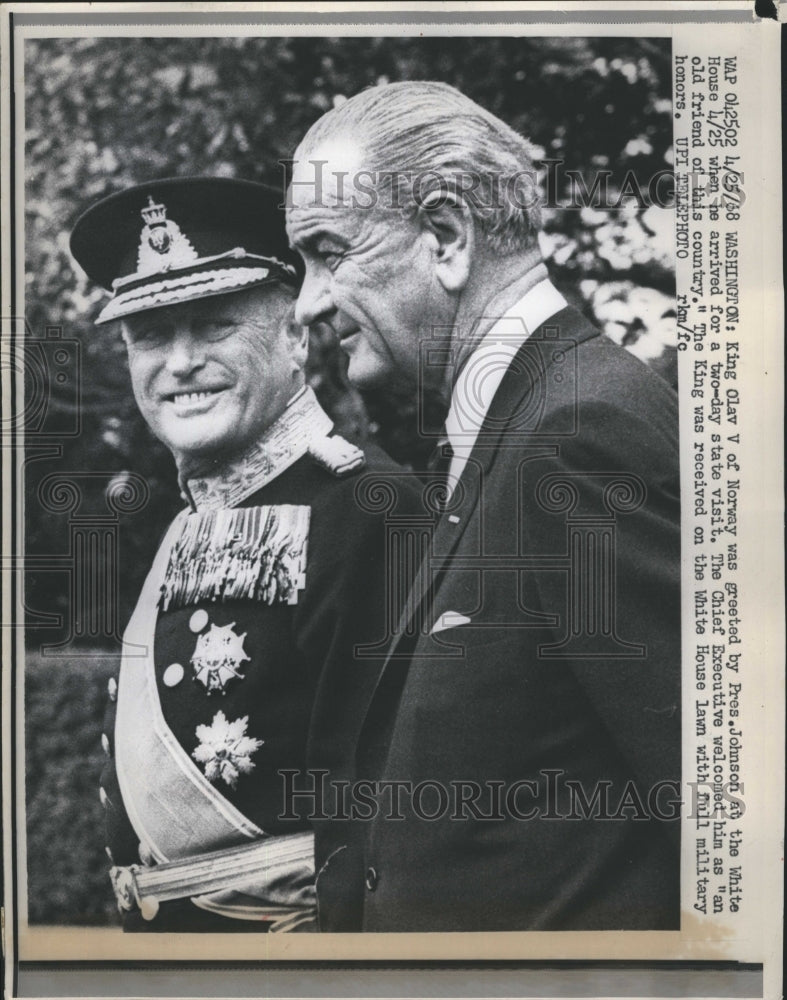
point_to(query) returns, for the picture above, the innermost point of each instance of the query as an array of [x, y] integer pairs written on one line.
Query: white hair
[[429, 139]]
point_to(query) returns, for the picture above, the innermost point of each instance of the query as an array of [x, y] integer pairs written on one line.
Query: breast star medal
[[224, 749], [217, 657]]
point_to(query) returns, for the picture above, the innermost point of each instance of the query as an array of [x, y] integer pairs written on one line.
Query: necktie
[[437, 469]]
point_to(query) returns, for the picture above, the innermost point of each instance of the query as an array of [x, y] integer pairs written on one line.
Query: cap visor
[[184, 288]]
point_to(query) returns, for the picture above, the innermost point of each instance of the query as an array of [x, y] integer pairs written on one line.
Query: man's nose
[[315, 301], [186, 353]]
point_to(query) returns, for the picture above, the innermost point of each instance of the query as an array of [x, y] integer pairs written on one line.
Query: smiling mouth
[[188, 398]]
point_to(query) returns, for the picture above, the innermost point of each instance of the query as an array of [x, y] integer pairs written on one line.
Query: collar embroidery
[[301, 426]]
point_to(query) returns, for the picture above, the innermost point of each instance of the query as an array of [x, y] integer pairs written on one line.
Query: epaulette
[[338, 456]]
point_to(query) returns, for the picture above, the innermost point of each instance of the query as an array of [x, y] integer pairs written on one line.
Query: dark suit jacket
[[545, 732]]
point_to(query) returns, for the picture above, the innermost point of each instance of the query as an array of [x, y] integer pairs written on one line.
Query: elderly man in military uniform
[[238, 661]]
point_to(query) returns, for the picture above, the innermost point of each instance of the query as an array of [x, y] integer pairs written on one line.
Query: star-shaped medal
[[225, 750], [217, 657]]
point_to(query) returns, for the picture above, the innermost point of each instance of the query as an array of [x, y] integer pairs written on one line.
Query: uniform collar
[[286, 440]]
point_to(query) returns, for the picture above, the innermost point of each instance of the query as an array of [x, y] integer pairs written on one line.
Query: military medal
[[256, 553], [217, 657], [225, 750]]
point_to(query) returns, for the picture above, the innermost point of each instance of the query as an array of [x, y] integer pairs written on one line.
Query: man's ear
[[447, 220]]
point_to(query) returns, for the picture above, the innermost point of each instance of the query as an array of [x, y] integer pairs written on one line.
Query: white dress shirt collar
[[481, 376]]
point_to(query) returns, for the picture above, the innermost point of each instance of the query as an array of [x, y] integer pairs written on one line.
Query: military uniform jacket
[[252, 686], [547, 653]]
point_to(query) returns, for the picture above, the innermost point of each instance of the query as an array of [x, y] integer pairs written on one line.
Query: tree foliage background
[[104, 113]]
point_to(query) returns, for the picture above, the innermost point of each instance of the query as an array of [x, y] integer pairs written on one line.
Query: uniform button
[[173, 675], [112, 687], [198, 620], [105, 743], [371, 878]]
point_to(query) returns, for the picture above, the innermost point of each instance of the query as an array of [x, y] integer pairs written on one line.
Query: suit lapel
[[527, 386], [514, 412], [518, 404]]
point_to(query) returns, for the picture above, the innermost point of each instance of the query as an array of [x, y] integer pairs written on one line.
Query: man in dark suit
[[238, 664], [523, 740]]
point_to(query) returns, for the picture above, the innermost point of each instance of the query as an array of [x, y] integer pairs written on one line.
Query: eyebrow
[[135, 325]]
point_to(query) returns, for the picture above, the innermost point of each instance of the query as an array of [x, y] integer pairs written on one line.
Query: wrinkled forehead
[[325, 175]]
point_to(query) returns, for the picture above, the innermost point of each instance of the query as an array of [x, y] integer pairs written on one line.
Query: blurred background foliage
[[104, 113], [67, 868]]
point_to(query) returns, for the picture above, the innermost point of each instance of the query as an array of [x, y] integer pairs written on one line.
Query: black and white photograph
[[378, 414]]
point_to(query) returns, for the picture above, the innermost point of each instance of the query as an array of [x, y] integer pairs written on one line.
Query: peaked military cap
[[174, 240]]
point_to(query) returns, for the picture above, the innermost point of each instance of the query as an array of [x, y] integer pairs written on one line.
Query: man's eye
[[330, 256], [148, 336], [333, 260], [216, 330]]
